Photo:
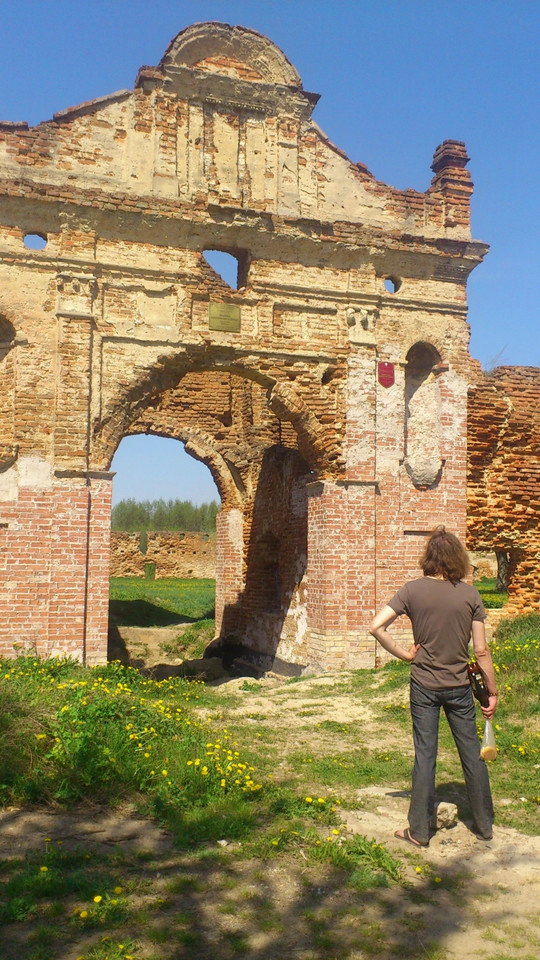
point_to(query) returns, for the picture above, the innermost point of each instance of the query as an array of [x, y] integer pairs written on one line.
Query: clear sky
[[396, 77]]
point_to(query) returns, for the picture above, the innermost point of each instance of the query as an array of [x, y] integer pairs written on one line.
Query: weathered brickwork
[[169, 554], [504, 477], [327, 393]]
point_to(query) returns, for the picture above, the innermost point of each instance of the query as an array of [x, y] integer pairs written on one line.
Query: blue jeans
[[458, 705]]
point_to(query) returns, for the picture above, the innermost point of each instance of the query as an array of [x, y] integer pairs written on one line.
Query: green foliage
[[133, 516], [519, 630], [492, 598], [368, 862], [110, 733]]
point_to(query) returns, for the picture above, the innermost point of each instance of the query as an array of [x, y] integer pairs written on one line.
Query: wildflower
[[98, 899], [118, 889], [164, 772], [83, 914], [309, 799], [335, 832], [418, 869], [44, 869], [438, 879]]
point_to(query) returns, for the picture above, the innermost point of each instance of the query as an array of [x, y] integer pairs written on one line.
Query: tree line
[[133, 516]]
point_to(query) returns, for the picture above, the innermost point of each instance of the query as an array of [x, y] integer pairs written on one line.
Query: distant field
[[158, 603]]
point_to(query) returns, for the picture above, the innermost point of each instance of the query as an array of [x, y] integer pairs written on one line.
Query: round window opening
[[392, 284], [35, 241]]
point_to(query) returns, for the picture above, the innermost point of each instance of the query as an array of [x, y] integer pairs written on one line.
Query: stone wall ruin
[[174, 554], [327, 393], [503, 488]]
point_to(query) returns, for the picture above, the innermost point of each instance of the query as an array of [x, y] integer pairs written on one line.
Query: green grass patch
[[355, 768], [192, 642], [492, 598], [134, 601]]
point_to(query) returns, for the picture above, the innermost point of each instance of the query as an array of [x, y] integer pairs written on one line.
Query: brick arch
[[284, 416]]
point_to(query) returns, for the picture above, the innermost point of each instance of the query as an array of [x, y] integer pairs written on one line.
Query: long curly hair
[[445, 555]]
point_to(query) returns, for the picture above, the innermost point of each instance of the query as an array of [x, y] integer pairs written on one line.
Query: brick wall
[[504, 477], [171, 554]]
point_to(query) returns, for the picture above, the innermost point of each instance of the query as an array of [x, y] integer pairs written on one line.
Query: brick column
[[341, 573], [79, 566], [229, 569]]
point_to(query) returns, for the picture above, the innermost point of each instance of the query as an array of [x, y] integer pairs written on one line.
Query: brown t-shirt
[[441, 614]]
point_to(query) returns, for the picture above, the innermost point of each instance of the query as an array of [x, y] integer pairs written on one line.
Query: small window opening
[[392, 284], [231, 268], [35, 241], [421, 359], [7, 331]]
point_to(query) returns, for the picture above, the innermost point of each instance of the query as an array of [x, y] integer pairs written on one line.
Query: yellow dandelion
[[83, 914], [98, 899], [309, 799], [118, 889], [44, 869]]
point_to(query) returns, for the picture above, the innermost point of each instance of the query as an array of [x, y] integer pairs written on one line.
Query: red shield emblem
[[386, 374]]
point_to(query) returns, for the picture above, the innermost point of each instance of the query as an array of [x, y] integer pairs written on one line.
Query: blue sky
[[396, 77]]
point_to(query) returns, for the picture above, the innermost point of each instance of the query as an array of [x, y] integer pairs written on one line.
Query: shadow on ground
[[139, 613], [221, 898]]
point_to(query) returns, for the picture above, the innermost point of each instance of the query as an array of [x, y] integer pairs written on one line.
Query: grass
[[158, 603], [243, 818], [192, 642], [492, 598]]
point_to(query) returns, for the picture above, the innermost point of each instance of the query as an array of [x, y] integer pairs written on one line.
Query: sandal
[[406, 835]]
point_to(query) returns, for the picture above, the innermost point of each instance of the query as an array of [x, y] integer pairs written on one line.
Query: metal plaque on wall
[[224, 316]]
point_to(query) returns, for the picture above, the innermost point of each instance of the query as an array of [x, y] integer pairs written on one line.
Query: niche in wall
[[423, 460]]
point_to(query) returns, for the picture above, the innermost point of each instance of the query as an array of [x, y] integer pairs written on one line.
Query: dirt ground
[[484, 907]]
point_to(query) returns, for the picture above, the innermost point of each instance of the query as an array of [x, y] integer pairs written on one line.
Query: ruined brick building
[[503, 512], [327, 392]]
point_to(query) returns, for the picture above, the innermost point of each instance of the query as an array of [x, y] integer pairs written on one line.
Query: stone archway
[[254, 439]]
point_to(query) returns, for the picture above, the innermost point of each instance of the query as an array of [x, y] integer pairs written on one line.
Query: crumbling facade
[[504, 477], [327, 392]]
